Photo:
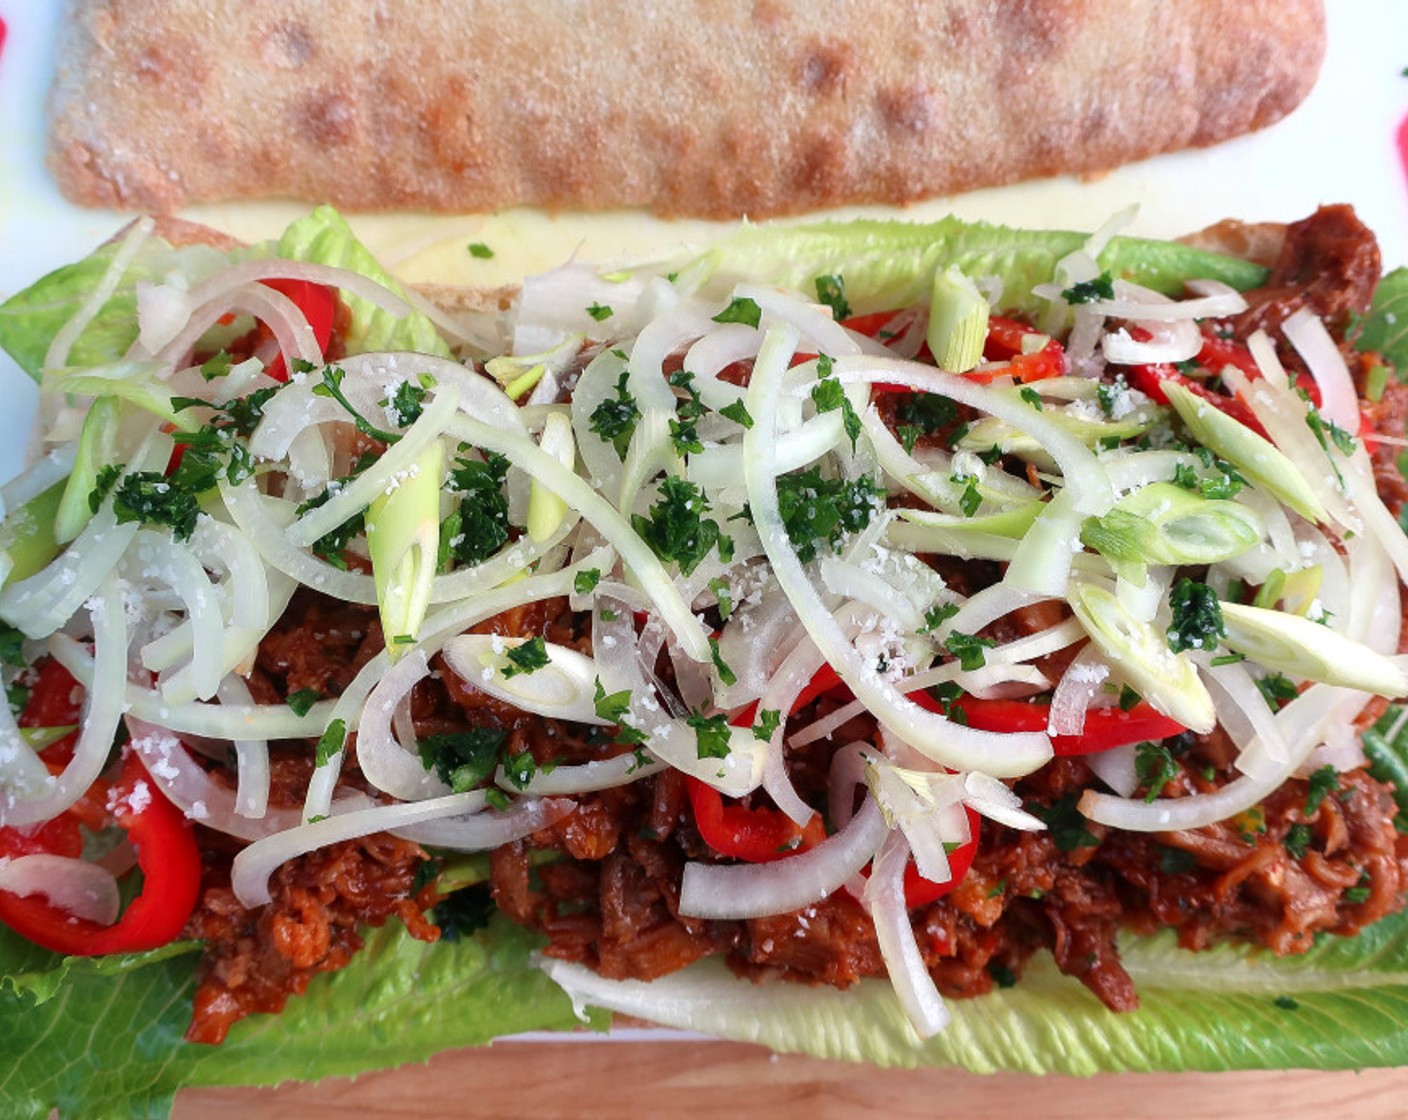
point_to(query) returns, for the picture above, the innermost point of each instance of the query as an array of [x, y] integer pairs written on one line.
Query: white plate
[[1337, 147]]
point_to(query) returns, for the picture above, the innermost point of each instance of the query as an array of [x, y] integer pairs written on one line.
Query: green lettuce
[[102, 1039], [31, 318], [889, 264], [1385, 329], [324, 237]]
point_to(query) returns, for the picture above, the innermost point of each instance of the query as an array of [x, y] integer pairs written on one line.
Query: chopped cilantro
[[676, 529], [330, 742], [929, 412], [526, 658], [479, 251], [1087, 291], [600, 311], [1154, 768], [585, 581], [463, 759], [303, 700], [1128, 698], [612, 708], [970, 500], [741, 310], [769, 720], [829, 395], [723, 594], [615, 418], [1328, 428], [497, 798], [1197, 617], [711, 734], [831, 290], [1031, 396]]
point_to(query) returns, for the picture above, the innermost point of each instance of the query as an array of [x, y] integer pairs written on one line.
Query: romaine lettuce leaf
[[102, 1039], [324, 237], [30, 319], [1385, 329], [889, 264]]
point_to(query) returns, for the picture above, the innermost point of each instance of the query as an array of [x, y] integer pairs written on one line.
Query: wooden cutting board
[[702, 1080]]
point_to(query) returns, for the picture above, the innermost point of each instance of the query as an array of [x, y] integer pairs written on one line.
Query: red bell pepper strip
[[55, 700], [170, 864], [1004, 343], [319, 306], [919, 891], [757, 835], [1105, 728]]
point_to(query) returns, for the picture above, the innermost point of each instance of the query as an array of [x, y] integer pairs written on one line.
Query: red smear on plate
[[1402, 142], [2, 34]]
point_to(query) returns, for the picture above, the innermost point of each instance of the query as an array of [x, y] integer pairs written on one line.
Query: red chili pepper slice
[[170, 864], [319, 306], [919, 891]]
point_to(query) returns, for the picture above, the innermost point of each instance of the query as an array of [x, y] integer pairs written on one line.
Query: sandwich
[[943, 643]]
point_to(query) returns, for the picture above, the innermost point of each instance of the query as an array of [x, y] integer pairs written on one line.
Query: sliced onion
[[85, 890], [884, 898], [1339, 403], [563, 688], [1169, 342], [251, 756], [478, 832], [1078, 687], [755, 890], [388, 765], [249, 874]]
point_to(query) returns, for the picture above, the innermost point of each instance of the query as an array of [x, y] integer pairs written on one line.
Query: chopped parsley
[[684, 432], [971, 499], [676, 529], [520, 768], [465, 912], [1032, 397], [726, 675], [1175, 861], [600, 311], [1197, 617], [769, 720], [937, 615], [479, 527], [1359, 892], [479, 251], [303, 700], [463, 759], [330, 742], [741, 310], [817, 511], [1154, 768], [1322, 783], [1277, 689], [1286, 1003], [968, 648], [1128, 698], [151, 498], [1297, 840], [613, 707], [526, 658], [332, 544], [711, 734], [615, 418], [723, 595], [217, 365], [11, 646], [106, 480], [831, 290], [585, 581], [1065, 823], [331, 386], [406, 404], [738, 413], [828, 394], [1002, 975], [1087, 291], [1225, 483]]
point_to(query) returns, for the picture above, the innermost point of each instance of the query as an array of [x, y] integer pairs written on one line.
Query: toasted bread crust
[[757, 107]]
